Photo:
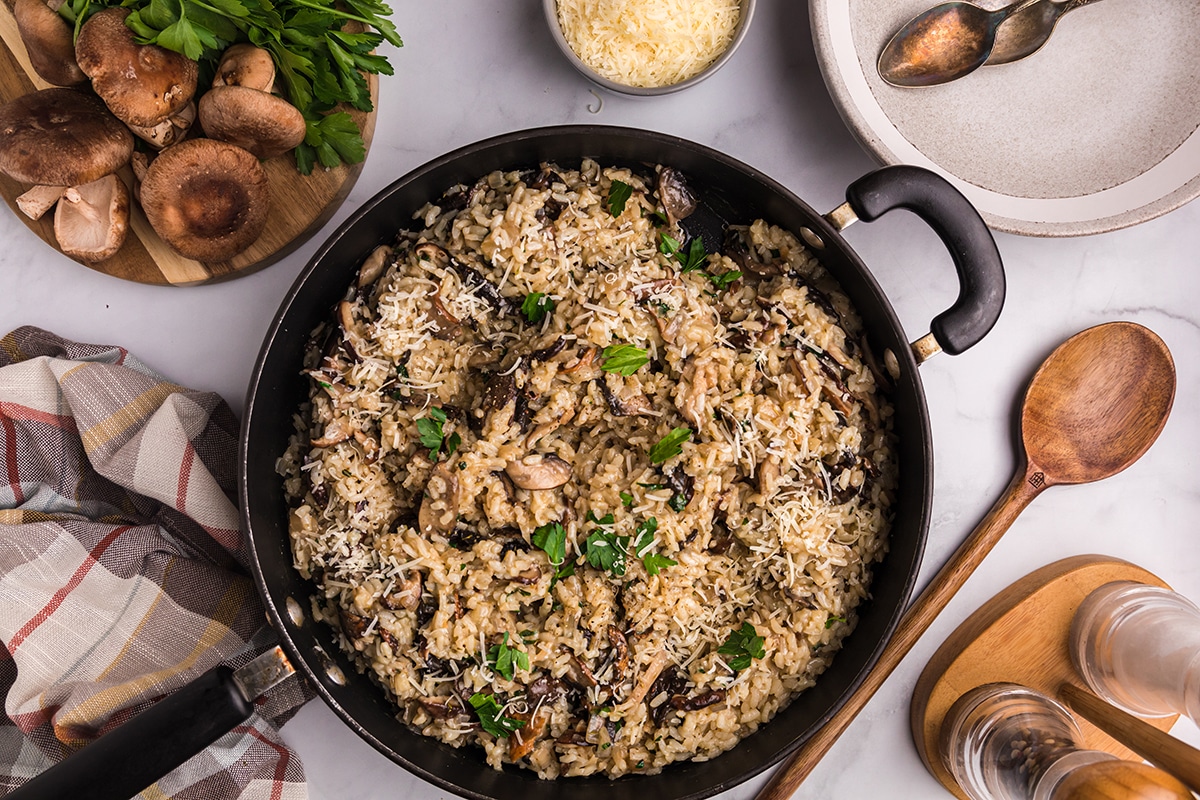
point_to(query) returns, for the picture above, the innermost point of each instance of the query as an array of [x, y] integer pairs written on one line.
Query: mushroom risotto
[[576, 491]]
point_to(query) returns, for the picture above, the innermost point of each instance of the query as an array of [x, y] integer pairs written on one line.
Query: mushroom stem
[[82, 208], [38, 200]]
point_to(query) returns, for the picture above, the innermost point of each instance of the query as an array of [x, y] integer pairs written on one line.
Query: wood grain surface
[[300, 204], [1019, 636]]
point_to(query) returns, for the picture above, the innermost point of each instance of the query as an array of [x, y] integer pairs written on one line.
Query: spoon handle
[[1025, 485]]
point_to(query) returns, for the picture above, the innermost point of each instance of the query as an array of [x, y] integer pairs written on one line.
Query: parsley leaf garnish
[[552, 540], [618, 195], [536, 306], [430, 430], [670, 445], [743, 645], [833, 620], [490, 718], [606, 550], [624, 359], [722, 281], [626, 499], [506, 660], [643, 541], [695, 257]]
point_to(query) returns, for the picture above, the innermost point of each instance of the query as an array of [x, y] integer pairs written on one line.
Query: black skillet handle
[[961, 229], [126, 760]]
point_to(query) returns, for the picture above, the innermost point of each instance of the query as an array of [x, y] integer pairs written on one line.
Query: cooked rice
[[429, 569]]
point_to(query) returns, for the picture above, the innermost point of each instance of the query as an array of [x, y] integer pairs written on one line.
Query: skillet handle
[[961, 229], [126, 760]]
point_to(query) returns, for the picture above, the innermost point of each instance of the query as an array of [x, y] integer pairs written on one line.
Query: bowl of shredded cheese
[[648, 47]]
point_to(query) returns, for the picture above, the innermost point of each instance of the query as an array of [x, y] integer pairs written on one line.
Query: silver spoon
[[1028, 29], [943, 43]]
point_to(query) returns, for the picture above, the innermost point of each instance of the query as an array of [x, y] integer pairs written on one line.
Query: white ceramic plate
[[1097, 131]]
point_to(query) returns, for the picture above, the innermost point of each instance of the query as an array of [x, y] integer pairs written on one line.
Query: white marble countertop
[[474, 68]]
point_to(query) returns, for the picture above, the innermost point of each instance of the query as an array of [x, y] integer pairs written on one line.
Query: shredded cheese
[[647, 43]]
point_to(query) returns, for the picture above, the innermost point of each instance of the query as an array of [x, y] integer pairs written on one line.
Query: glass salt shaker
[[1138, 647], [1002, 741]]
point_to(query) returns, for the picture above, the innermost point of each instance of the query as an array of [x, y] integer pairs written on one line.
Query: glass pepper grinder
[[1002, 741], [1138, 647]]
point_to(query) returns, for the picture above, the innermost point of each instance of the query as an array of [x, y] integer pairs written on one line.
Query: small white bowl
[[551, 9]]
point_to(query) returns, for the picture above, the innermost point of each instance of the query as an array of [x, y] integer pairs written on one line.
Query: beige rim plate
[[1097, 131]]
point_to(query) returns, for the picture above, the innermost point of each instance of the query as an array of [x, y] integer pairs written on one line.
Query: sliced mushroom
[[445, 324], [521, 742], [208, 200], [142, 84], [338, 430], [355, 626], [697, 702], [265, 125], [439, 508], [50, 42], [38, 200], [434, 254], [547, 353], [647, 678], [578, 672], [439, 707], [547, 428], [527, 578], [545, 690], [624, 400], [471, 277], [676, 196], [407, 594], [668, 328], [92, 220], [373, 267], [585, 364], [244, 64], [498, 392], [61, 137], [538, 471], [620, 647]]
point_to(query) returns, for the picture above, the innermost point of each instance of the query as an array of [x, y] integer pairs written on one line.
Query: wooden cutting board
[[300, 205]]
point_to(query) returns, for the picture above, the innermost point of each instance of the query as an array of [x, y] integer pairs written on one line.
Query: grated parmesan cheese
[[648, 43]]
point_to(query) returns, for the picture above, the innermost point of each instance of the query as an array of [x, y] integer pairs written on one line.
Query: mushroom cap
[[142, 84], [208, 200], [262, 123], [91, 220], [61, 137], [248, 65], [50, 42]]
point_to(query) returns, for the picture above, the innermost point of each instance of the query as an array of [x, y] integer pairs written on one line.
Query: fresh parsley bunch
[[321, 50]]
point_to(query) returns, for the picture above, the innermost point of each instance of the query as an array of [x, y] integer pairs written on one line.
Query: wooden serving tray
[[300, 204], [1019, 636]]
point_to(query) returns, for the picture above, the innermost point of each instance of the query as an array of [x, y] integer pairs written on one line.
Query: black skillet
[[123, 762]]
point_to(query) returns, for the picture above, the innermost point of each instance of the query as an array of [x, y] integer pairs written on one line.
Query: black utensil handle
[[123, 762], [961, 229]]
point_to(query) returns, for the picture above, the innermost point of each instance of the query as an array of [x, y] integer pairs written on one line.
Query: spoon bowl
[[1093, 408], [1097, 403], [1026, 31], [946, 42]]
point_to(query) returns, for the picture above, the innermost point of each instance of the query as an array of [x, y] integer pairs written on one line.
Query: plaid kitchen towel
[[123, 574]]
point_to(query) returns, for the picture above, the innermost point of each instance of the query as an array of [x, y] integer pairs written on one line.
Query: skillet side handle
[[126, 760], [961, 229]]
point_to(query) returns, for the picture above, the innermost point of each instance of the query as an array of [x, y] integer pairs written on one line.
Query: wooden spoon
[[1092, 409]]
